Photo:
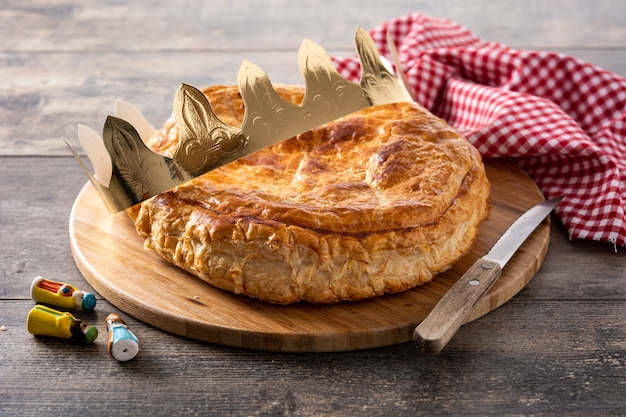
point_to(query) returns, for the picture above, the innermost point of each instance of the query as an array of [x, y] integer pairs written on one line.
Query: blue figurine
[[123, 344]]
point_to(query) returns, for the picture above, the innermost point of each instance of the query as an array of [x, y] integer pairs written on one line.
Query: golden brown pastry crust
[[374, 203]]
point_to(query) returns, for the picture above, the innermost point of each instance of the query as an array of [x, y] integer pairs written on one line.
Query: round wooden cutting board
[[111, 256]]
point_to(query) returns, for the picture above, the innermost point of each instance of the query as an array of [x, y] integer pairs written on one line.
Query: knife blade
[[436, 330]]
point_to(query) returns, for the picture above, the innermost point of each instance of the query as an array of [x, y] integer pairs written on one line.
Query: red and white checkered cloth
[[561, 119]]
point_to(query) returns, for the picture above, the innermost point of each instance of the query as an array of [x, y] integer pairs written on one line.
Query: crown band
[[128, 172]]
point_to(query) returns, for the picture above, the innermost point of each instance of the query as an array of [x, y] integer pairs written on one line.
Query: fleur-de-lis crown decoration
[[127, 172]]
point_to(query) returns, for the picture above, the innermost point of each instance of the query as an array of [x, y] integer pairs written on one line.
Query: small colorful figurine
[[46, 321], [123, 344], [63, 295]]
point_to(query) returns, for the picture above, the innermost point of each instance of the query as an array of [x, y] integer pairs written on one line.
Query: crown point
[[92, 144], [125, 110], [379, 84], [250, 73], [204, 139]]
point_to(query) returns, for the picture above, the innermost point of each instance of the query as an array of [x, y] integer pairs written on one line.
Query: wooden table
[[558, 347]]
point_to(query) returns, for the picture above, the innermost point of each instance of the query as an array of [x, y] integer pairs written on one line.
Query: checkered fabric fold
[[562, 120]]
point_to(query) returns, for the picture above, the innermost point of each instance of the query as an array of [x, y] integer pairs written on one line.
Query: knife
[[436, 330]]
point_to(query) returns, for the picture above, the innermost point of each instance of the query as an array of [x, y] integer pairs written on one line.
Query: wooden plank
[[49, 94], [218, 25], [526, 358], [37, 196], [56, 92], [580, 269]]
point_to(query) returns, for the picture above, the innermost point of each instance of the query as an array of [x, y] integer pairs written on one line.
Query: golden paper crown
[[127, 172]]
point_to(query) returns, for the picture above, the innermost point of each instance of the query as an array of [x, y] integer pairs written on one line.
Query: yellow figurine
[[46, 321], [60, 294]]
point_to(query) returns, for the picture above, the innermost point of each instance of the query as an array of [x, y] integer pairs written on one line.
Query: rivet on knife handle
[[449, 314]]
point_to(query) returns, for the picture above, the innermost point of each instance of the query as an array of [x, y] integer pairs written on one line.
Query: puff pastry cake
[[375, 203]]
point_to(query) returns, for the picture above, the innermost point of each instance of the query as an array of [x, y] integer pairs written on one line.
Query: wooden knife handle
[[436, 330]]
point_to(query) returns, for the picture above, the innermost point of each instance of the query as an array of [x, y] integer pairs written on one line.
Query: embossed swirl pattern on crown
[[127, 172]]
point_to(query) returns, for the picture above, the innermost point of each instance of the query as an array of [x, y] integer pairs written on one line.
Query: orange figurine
[[63, 295]]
